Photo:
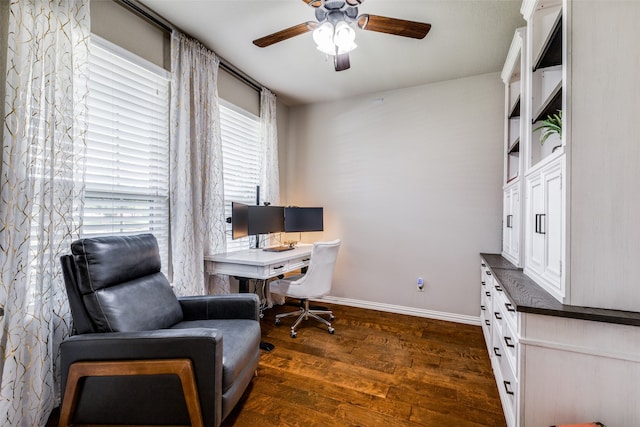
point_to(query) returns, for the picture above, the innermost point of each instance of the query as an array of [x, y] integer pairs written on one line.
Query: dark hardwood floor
[[378, 369]]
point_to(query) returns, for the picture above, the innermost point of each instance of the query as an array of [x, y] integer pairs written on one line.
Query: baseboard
[[398, 309]]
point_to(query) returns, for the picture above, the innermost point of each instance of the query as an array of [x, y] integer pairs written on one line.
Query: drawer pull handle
[[279, 267], [484, 283], [305, 259], [488, 294], [487, 322], [507, 387], [498, 315], [509, 306], [498, 288], [488, 273], [483, 308], [539, 228], [483, 264], [509, 342], [509, 217], [496, 352]]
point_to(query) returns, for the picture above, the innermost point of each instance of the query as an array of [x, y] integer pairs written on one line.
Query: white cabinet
[[544, 227], [511, 224], [535, 74], [499, 325], [515, 114]]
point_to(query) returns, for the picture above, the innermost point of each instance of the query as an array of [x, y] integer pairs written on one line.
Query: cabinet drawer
[[505, 379], [511, 345]]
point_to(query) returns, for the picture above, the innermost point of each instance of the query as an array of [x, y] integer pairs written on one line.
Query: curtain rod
[[169, 27]]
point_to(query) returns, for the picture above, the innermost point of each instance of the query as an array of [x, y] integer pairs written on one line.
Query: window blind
[[240, 132], [127, 165]]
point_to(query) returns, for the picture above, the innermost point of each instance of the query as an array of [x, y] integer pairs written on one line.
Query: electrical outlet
[[420, 284]]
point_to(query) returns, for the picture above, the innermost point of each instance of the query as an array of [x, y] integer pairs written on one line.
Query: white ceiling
[[467, 37]]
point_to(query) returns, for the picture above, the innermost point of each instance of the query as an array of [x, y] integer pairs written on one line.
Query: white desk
[[257, 263]]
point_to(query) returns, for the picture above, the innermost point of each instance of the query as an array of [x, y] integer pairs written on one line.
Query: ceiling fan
[[333, 32]]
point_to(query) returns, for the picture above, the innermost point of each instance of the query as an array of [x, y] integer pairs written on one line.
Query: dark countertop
[[528, 297]]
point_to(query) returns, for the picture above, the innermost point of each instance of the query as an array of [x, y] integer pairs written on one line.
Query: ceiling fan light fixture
[[334, 40]]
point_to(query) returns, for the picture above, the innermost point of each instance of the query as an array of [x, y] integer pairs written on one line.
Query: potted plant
[[552, 124]]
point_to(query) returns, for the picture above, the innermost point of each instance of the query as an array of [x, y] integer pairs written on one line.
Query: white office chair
[[315, 283]]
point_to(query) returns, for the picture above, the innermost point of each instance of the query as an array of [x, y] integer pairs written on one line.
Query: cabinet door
[[506, 223], [511, 225], [545, 228], [535, 253], [515, 224], [552, 226]]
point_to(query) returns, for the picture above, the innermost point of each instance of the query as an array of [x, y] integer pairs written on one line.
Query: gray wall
[[411, 182]]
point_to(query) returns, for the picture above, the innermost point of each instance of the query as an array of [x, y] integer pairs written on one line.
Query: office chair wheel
[[331, 330], [331, 317], [294, 334], [277, 322]]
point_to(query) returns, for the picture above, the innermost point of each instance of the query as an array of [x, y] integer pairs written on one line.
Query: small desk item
[[282, 248]]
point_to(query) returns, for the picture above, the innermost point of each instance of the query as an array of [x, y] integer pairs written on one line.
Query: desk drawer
[[298, 263], [278, 268]]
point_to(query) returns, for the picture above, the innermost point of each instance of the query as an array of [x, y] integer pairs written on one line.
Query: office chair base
[[305, 313]]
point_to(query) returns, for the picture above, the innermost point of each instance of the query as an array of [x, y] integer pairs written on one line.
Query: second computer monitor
[[266, 219], [299, 219]]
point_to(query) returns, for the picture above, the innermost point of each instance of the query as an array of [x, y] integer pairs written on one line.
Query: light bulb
[[323, 36], [344, 37]]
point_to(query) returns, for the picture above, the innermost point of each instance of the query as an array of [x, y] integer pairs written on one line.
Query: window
[[127, 170], [241, 161]]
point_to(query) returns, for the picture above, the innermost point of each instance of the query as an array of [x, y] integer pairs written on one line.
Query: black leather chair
[[127, 323]]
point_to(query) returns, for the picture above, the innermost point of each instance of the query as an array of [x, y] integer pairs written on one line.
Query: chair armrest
[[202, 345], [231, 306]]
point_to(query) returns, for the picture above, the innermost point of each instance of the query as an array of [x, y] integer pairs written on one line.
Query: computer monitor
[[239, 220], [299, 219], [265, 219]]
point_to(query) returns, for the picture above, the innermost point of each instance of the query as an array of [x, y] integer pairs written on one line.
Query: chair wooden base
[[180, 367]]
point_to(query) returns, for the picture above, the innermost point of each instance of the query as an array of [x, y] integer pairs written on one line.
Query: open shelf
[[552, 104], [515, 110], [551, 52], [515, 147]]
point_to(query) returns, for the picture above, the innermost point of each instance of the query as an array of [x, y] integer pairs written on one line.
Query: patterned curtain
[[196, 185], [269, 171], [41, 183]]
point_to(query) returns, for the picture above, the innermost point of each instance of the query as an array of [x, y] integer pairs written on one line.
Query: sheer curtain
[[269, 170], [196, 184], [40, 197]]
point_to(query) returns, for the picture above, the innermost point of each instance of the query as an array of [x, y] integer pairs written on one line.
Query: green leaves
[[552, 124]]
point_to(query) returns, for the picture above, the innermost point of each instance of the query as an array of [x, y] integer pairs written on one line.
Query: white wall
[[605, 155], [410, 180]]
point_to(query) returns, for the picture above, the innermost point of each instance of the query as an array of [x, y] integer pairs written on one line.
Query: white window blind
[[241, 161], [127, 171]]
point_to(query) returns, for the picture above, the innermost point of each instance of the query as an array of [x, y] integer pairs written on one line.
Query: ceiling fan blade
[[354, 2], [285, 34], [314, 3], [398, 27], [341, 62]]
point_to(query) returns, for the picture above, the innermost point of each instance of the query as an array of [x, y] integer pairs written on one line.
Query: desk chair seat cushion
[[120, 282]]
